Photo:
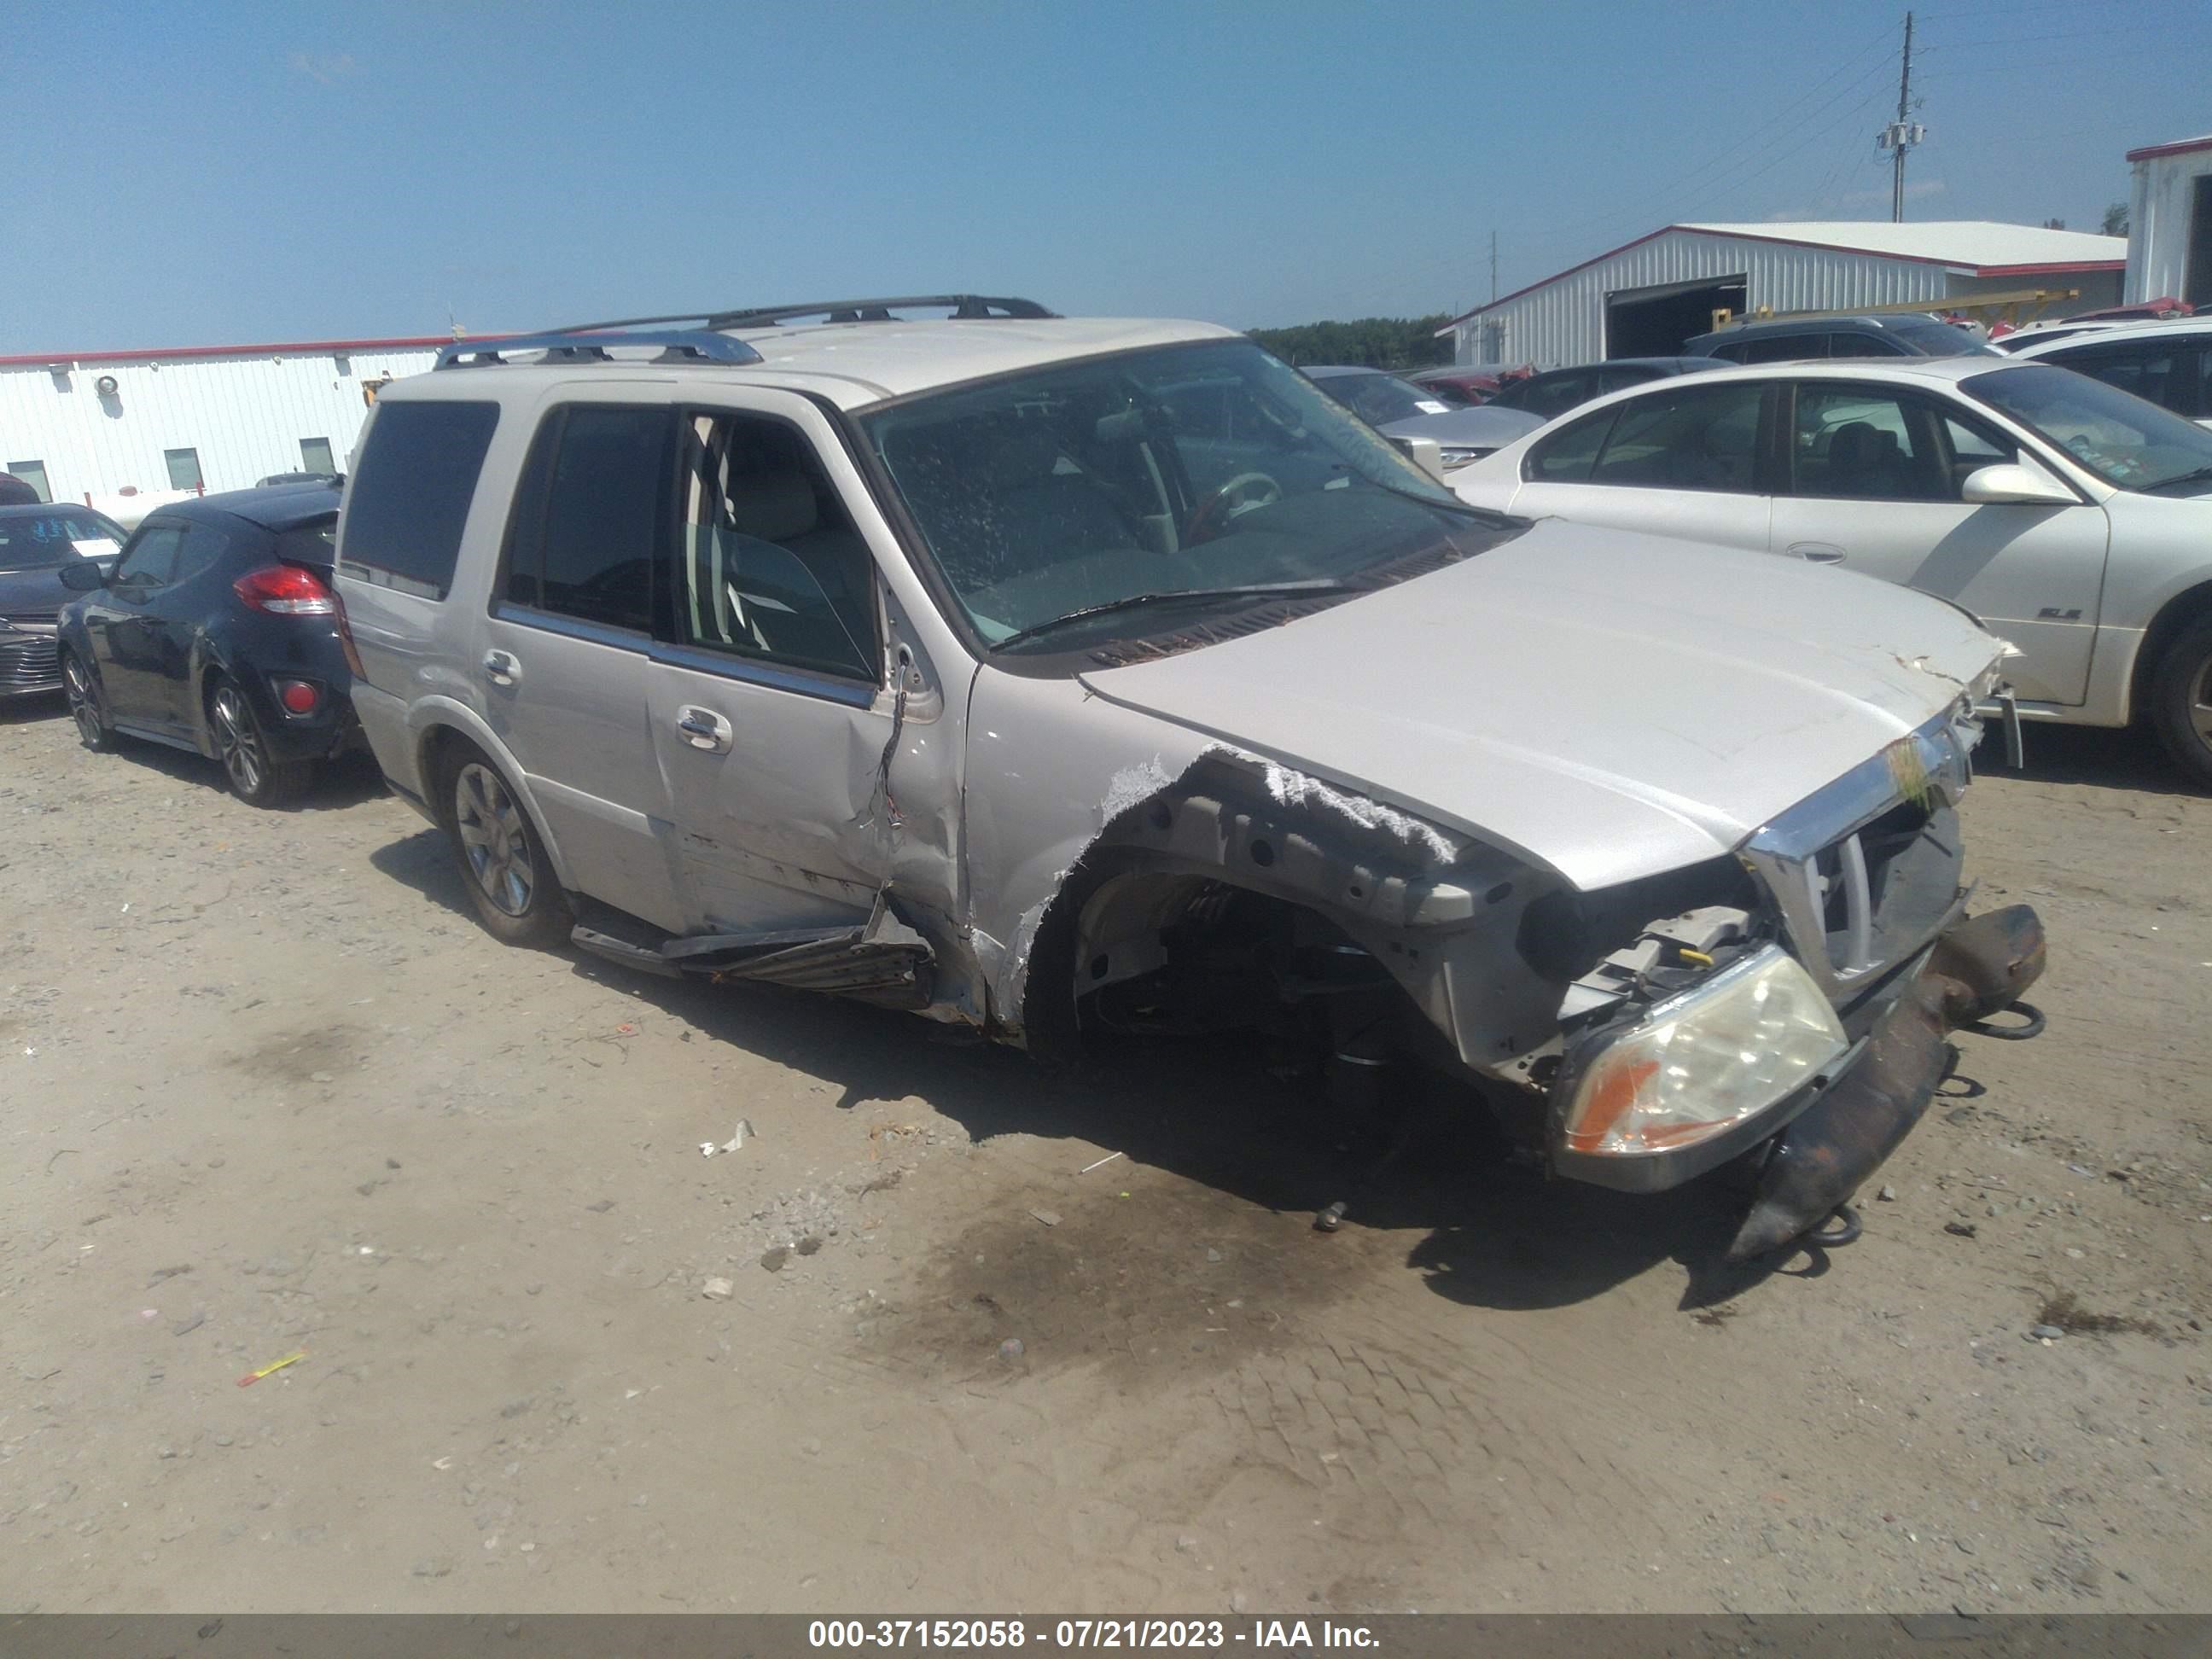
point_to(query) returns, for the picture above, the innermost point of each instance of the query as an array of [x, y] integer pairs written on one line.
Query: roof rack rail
[[965, 308], [596, 344]]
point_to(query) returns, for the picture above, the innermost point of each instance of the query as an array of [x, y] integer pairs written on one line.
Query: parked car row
[[39, 543], [1105, 676]]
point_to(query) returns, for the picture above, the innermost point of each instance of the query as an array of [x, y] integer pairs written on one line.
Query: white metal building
[[1646, 298], [2170, 222], [116, 428]]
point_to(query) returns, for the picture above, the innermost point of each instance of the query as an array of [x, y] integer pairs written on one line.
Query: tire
[[501, 855], [93, 730], [2181, 699], [254, 775]]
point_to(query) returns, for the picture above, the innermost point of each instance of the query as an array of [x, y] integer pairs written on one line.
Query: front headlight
[[1454, 457], [1700, 1062]]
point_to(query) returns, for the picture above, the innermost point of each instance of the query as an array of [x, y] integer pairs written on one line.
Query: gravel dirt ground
[[267, 1089]]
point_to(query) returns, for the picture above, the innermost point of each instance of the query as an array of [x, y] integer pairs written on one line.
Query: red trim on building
[[1963, 266], [2076, 269], [2184, 147], [282, 349]]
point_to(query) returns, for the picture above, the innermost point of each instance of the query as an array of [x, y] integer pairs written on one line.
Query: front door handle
[[1818, 552], [703, 728], [502, 667]]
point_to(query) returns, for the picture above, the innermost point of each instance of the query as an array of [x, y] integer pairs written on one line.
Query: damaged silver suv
[[1054, 676]]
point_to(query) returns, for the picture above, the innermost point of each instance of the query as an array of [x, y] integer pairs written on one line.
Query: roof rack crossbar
[[597, 343]]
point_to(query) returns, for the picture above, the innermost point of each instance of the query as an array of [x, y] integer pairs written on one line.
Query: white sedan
[[2072, 518]]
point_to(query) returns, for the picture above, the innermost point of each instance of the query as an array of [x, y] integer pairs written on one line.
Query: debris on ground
[[1959, 1229], [738, 1136], [271, 1368], [773, 1259], [2065, 1315], [1050, 1218], [717, 1290]]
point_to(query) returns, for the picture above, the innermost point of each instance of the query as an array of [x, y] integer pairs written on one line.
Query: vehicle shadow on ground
[[1493, 1233], [346, 781], [2130, 759]]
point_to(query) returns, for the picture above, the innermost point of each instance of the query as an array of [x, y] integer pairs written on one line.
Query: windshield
[[33, 537], [1379, 399], [1187, 471], [2118, 437]]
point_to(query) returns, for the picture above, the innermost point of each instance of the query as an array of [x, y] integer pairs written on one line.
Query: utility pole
[[1493, 267], [1902, 134]]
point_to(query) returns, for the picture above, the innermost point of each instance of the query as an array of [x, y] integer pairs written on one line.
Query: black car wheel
[[2181, 699], [92, 727], [256, 776], [502, 856]]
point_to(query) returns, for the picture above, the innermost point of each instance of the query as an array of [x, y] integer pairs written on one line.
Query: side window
[[1568, 457], [1616, 380], [1785, 349], [589, 517], [201, 546], [1556, 396], [152, 555], [1856, 342], [409, 498], [767, 563], [2200, 383], [1866, 442], [1972, 447], [1686, 438], [2147, 371]]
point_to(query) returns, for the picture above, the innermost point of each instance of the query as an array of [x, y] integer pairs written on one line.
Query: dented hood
[[1610, 704]]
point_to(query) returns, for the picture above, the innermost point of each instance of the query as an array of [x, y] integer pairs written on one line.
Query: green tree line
[[1393, 342]]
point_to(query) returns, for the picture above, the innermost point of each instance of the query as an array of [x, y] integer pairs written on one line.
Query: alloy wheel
[[496, 838], [83, 704], [2200, 701], [238, 743]]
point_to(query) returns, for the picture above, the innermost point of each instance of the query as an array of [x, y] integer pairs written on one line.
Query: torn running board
[[883, 960]]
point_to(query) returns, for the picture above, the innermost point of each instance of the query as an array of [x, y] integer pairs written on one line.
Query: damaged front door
[[765, 694]]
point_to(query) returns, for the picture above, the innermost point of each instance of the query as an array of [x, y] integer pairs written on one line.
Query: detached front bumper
[[1832, 1145]]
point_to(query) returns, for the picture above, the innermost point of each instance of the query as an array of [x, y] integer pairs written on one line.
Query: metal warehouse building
[[1644, 299], [2170, 222], [123, 429]]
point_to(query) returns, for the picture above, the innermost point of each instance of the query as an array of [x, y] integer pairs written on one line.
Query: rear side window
[[1782, 348], [1687, 437], [1568, 457], [410, 494], [588, 521], [1856, 342], [201, 546], [2149, 371]]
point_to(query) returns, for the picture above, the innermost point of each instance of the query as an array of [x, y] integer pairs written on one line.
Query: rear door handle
[[703, 728], [1818, 552], [502, 667]]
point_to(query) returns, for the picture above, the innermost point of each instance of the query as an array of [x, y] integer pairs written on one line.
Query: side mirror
[[2010, 481], [1425, 452], [85, 575]]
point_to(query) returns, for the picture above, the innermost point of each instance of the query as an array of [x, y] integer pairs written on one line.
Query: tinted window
[[587, 522], [202, 545], [2125, 441], [410, 496], [1686, 438], [1932, 339], [150, 557], [1782, 348], [1378, 399], [769, 563], [1855, 343], [309, 544], [1618, 380], [1553, 394], [2147, 370], [1568, 457]]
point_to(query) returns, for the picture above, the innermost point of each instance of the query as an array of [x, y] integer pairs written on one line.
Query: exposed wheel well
[[2183, 608]]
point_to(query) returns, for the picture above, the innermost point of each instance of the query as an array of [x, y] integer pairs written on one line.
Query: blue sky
[[197, 174]]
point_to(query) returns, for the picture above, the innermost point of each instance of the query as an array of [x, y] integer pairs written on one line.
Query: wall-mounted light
[[106, 385]]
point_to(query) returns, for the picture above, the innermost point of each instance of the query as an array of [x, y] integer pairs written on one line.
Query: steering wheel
[[1240, 495]]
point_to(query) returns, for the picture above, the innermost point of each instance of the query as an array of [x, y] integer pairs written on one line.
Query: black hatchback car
[[217, 631]]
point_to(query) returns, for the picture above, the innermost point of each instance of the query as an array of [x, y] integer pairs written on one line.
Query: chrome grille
[[1865, 874], [32, 664]]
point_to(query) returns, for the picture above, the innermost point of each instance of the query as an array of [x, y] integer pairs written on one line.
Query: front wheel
[[256, 776], [2181, 699], [92, 727], [504, 868]]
